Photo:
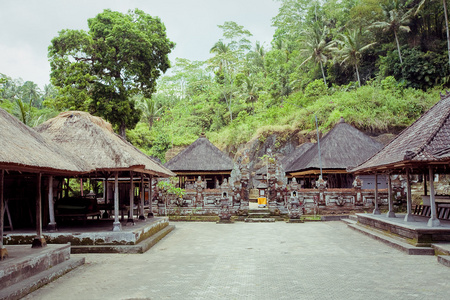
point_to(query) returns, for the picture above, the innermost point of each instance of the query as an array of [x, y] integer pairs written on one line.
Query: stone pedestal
[[3, 253], [39, 242], [51, 227]]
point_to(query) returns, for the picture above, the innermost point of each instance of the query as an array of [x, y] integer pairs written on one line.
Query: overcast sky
[[28, 26]]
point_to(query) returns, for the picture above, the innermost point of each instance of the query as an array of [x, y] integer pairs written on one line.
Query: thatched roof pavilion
[[341, 147], [23, 150], [426, 141], [423, 147], [93, 139], [295, 155], [201, 158]]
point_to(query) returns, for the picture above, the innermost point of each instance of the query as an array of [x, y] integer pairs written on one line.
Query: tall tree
[[100, 70], [351, 47], [316, 46], [396, 19]]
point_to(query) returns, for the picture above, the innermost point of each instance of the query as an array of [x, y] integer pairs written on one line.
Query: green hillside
[[379, 64]]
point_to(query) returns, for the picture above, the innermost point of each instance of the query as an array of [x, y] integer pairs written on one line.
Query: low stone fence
[[211, 201]]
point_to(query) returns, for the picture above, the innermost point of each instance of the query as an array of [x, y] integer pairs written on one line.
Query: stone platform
[[96, 236], [417, 233], [27, 269]]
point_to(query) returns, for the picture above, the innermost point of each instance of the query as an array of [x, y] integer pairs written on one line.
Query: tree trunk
[[122, 130], [398, 48], [357, 74], [323, 73], [446, 28]]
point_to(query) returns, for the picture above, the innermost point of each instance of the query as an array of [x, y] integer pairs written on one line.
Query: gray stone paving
[[321, 260]]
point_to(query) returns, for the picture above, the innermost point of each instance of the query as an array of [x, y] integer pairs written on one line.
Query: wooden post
[[39, 240], [116, 224], [142, 190], [376, 210], [105, 197], [391, 213], [150, 198], [433, 221], [409, 216], [130, 211], [51, 208], [425, 192], [3, 251]]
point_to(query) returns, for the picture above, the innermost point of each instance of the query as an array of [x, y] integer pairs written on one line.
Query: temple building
[[201, 159], [342, 147]]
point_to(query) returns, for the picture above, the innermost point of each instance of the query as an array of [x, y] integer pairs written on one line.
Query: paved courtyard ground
[[320, 260]]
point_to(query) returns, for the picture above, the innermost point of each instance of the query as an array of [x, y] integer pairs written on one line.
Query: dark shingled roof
[[292, 157], [426, 140], [201, 155], [340, 148]]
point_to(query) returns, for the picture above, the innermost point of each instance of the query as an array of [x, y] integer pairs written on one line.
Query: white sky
[[28, 26]]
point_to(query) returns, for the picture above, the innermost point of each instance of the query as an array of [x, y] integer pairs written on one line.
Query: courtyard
[[314, 260]]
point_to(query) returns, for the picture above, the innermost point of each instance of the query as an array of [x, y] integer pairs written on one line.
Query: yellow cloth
[[262, 201]]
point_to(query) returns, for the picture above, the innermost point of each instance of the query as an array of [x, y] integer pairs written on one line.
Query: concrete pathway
[[320, 260]]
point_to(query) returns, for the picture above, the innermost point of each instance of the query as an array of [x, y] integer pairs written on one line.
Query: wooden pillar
[[390, 213], [425, 192], [409, 217], [433, 221], [51, 208], [116, 224], [105, 197], [142, 191], [39, 240], [81, 187], [131, 210], [150, 198], [3, 251], [376, 210]]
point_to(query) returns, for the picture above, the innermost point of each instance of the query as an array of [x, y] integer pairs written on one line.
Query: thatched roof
[[341, 147], [93, 140], [426, 140], [23, 149], [295, 155], [200, 156]]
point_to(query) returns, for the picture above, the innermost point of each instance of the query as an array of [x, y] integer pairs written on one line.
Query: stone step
[[141, 247], [260, 220], [442, 248], [30, 284], [444, 259], [259, 215], [390, 241], [24, 262], [353, 217]]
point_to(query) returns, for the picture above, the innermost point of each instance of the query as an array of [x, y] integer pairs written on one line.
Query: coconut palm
[[351, 46], [149, 109], [316, 46], [396, 19]]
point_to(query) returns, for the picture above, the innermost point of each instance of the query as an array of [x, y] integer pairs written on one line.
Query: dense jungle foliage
[[379, 64]]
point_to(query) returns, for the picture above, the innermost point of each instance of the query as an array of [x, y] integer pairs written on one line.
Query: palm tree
[[316, 46], [396, 19], [223, 60], [351, 46], [149, 109]]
